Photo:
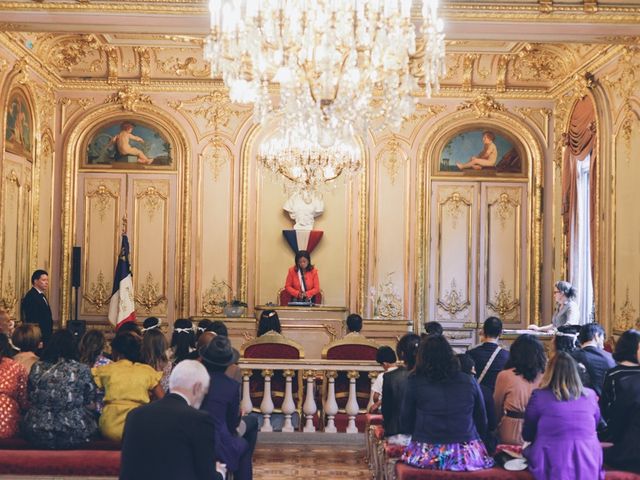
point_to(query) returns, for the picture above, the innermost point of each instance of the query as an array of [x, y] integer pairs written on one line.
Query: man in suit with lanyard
[[35, 306]]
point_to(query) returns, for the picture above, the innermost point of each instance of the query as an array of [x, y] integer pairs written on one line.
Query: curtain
[[580, 252], [579, 184]]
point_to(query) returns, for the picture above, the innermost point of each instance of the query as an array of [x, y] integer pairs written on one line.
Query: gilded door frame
[[445, 128], [74, 141]]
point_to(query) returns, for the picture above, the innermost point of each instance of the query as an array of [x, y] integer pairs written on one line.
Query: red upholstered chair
[[285, 297], [273, 345], [351, 347]]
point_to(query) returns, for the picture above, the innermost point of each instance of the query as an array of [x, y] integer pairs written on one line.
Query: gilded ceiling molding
[[182, 67], [468, 64], [112, 63], [534, 62], [483, 106], [66, 104], [45, 99], [69, 51], [129, 98], [144, 60], [545, 6]]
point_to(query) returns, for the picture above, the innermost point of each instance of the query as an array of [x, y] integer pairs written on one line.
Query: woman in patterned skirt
[[444, 405]]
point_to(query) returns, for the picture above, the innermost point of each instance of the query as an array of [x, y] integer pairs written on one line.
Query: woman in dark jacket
[[620, 404], [444, 405]]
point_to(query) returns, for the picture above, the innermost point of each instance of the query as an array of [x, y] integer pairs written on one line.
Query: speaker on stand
[[76, 327]]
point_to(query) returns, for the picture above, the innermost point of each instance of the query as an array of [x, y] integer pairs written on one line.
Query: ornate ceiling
[[520, 48]]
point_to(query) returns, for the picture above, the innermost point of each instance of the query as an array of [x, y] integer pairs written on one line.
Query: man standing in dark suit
[[593, 356], [489, 353], [35, 306], [171, 439]]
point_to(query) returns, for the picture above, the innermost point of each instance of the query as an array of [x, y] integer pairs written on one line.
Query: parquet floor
[[309, 462]]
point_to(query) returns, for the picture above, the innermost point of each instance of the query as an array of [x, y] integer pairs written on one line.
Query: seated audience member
[[127, 384], [92, 349], [202, 327], [13, 392], [593, 356], [514, 385], [560, 422], [223, 404], [61, 392], [218, 327], [92, 354], [354, 325], [269, 322], [489, 357], [387, 358], [444, 405], [488, 435], [6, 324], [154, 354], [566, 341], [6, 348], [150, 323], [394, 387], [129, 327], [171, 439], [28, 340], [183, 340], [620, 404], [433, 328]]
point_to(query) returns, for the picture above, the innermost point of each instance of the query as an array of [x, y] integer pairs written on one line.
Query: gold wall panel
[[16, 216], [153, 201], [45, 203], [390, 252], [626, 239], [453, 252], [216, 177], [503, 268], [102, 211]]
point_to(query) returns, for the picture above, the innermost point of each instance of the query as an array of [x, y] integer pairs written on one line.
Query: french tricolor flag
[[303, 239], [122, 308]]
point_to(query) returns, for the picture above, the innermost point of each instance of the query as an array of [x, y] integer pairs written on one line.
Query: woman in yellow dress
[[127, 384]]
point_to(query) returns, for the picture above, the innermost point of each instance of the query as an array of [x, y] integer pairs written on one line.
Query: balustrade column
[[288, 405], [372, 376], [266, 407], [352, 408], [330, 404], [246, 404], [309, 408]]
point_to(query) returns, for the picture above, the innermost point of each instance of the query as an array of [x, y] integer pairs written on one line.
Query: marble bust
[[303, 208]]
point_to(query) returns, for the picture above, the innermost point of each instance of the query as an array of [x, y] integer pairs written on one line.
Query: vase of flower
[[234, 308]]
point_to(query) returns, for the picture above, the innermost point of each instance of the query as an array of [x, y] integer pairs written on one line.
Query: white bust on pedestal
[[303, 208]]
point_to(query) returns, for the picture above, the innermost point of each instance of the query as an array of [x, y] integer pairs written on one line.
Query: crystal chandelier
[[305, 166], [340, 64]]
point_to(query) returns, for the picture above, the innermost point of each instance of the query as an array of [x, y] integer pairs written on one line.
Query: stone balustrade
[[314, 374]]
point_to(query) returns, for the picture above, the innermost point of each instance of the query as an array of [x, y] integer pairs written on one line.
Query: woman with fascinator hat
[[223, 404]]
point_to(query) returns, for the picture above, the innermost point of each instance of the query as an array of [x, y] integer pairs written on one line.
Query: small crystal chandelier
[[340, 64], [303, 165]]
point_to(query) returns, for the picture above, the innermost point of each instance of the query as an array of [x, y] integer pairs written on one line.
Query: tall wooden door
[[478, 261]]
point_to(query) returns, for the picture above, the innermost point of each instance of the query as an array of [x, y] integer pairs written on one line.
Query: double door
[[479, 261]]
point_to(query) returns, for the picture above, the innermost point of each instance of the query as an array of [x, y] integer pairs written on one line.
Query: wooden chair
[[273, 345], [351, 347]]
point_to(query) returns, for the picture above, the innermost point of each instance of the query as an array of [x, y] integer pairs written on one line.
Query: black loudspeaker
[[77, 328], [75, 267]]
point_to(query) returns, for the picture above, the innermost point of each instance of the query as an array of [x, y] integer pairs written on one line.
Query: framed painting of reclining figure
[[130, 144], [480, 150]]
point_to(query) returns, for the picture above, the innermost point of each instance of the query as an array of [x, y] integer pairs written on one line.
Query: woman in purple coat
[[560, 421]]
